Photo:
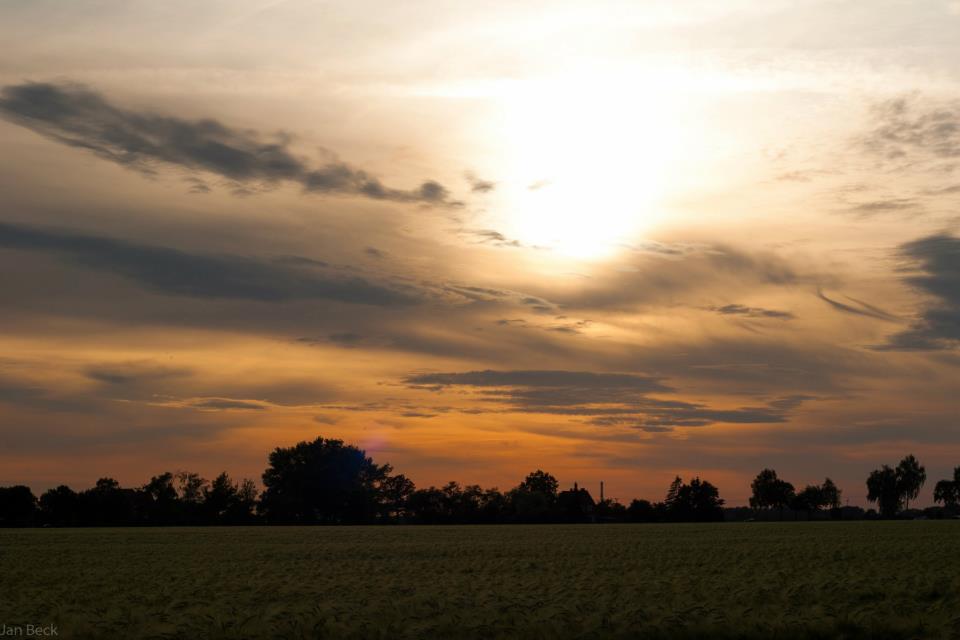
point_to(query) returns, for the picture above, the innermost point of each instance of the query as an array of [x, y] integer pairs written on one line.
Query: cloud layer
[[605, 399], [79, 117], [937, 259], [175, 272]]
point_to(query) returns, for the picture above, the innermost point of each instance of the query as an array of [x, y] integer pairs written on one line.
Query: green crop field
[[757, 580]]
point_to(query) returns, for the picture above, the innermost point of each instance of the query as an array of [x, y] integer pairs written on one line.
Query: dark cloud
[[373, 252], [606, 399], [752, 312], [478, 294], [224, 404], [664, 248], [891, 205], [31, 395], [659, 274], [937, 258], [534, 378], [299, 261], [79, 117], [571, 328], [492, 236], [858, 308], [175, 272], [197, 185], [479, 186], [133, 373], [943, 191], [347, 339], [904, 127]]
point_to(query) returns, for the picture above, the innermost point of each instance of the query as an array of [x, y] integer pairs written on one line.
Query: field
[[755, 580]]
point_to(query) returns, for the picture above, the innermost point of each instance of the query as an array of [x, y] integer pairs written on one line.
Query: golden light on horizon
[[236, 229]]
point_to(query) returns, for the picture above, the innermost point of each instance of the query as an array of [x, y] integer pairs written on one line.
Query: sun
[[586, 162]]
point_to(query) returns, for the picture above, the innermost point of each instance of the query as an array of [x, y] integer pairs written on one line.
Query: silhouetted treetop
[[323, 481], [770, 492]]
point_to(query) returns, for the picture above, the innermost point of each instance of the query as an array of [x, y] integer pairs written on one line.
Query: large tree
[[540, 482], [108, 504], [163, 504], [535, 498], [18, 506], [816, 497], [770, 492], [698, 501], [893, 489], [830, 494], [882, 488], [60, 507], [324, 481], [948, 491], [910, 478], [227, 502], [396, 491]]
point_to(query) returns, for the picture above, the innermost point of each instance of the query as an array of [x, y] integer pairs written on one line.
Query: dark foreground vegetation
[[328, 482], [889, 579]]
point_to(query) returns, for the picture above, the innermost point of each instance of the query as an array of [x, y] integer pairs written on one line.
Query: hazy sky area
[[618, 241]]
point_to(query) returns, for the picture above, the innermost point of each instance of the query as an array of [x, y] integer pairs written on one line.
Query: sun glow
[[587, 163]]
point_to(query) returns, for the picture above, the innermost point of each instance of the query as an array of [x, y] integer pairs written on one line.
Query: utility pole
[[601, 491]]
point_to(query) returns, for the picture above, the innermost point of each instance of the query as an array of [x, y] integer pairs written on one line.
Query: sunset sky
[[618, 241]]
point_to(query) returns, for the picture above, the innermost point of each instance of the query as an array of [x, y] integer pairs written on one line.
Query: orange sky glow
[[617, 242]]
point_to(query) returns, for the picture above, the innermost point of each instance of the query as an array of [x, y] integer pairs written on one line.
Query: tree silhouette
[[948, 491], [813, 497], [882, 488], [107, 504], [698, 501], [426, 506], [18, 506], [642, 511], [576, 505], [328, 482], [770, 492], [227, 502], [535, 498], [496, 506], [322, 481], [540, 482], [60, 507], [609, 510], [162, 498], [892, 489], [396, 492], [910, 478], [810, 499], [830, 494], [673, 491]]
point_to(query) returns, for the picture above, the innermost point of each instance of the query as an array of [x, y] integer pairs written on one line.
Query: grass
[[751, 580]]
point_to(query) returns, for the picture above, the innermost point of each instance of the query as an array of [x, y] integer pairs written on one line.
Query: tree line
[[328, 482]]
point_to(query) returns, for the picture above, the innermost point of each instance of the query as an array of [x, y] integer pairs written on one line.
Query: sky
[[617, 241]]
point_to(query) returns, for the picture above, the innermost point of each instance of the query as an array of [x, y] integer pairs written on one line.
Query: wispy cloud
[[752, 312], [858, 308], [79, 117], [608, 399], [910, 127], [175, 272]]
